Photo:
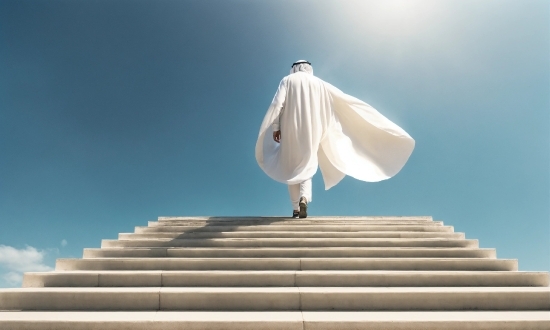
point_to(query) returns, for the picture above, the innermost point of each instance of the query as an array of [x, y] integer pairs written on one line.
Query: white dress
[[323, 127]]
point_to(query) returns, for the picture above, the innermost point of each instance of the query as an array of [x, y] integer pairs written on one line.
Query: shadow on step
[[216, 226]]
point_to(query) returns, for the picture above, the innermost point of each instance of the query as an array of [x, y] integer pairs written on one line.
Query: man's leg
[[300, 195], [305, 198], [294, 192], [305, 190]]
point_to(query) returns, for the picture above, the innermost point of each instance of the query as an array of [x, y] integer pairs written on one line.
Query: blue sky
[[115, 112]]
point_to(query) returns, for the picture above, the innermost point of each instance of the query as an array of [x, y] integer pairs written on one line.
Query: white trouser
[[298, 190]]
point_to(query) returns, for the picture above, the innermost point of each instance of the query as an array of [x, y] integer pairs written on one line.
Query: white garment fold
[[323, 127]]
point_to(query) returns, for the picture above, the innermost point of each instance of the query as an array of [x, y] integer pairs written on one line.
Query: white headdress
[[301, 65]]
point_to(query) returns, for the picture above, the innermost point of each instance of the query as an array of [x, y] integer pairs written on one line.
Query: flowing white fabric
[[323, 127]]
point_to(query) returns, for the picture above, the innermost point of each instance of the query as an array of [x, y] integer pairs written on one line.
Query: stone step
[[474, 264], [291, 242], [293, 228], [291, 222], [331, 252], [284, 279], [291, 320], [309, 218], [279, 298], [288, 234]]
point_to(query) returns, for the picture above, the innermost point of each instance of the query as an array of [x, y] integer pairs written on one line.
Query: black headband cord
[[301, 62]]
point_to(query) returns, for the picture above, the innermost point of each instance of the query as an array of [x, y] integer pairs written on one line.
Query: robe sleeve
[[278, 104], [364, 144]]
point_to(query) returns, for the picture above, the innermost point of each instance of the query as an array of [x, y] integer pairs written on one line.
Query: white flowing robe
[[323, 127]]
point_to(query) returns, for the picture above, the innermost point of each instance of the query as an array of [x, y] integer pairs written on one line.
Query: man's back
[[306, 113]]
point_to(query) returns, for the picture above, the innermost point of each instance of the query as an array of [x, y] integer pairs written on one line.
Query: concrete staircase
[[281, 273]]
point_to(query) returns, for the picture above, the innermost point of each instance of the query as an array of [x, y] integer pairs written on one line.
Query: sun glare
[[393, 17]]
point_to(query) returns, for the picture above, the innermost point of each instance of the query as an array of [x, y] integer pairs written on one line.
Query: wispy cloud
[[14, 262], [64, 243]]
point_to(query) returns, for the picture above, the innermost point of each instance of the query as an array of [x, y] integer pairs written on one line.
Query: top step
[[317, 218], [255, 221]]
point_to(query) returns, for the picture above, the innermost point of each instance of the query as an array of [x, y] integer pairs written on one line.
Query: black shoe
[[303, 208], [295, 214]]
